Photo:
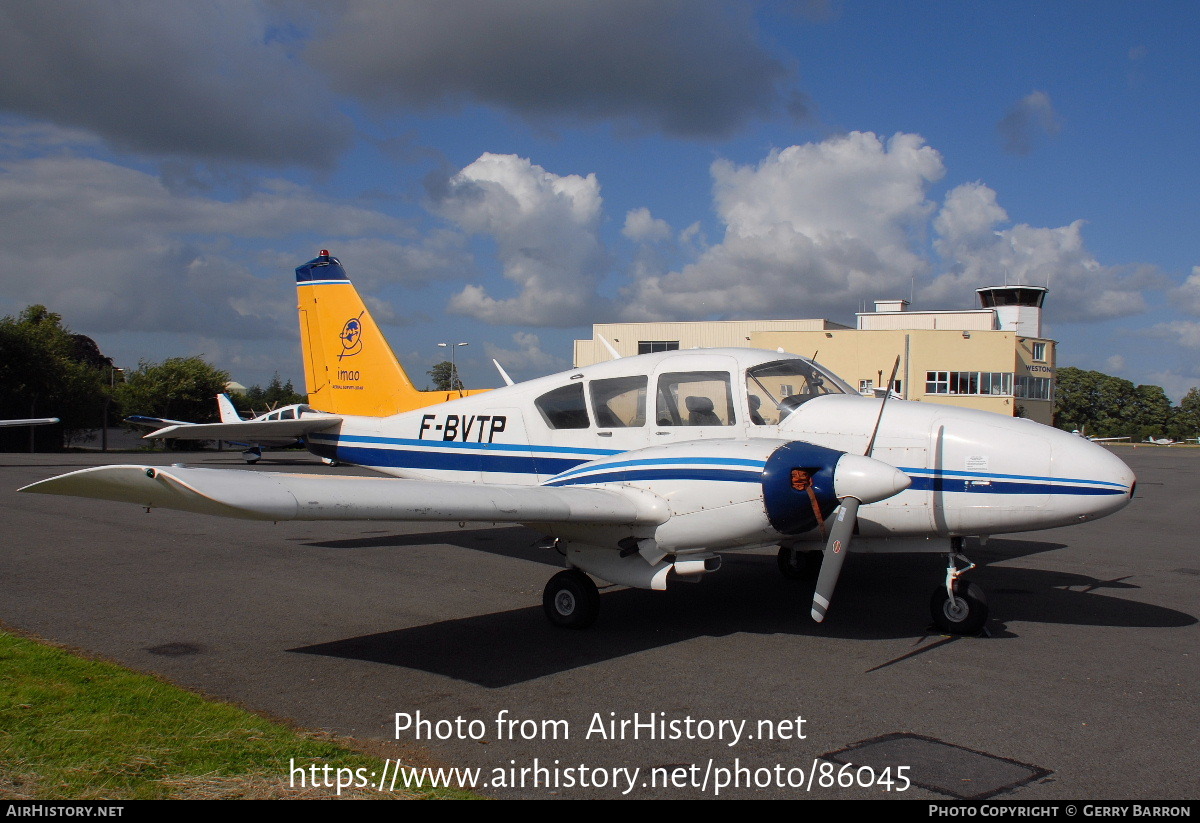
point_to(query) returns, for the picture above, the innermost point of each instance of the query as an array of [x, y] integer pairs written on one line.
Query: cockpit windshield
[[775, 390]]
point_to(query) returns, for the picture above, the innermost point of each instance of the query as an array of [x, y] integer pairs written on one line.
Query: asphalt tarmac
[[1086, 688]]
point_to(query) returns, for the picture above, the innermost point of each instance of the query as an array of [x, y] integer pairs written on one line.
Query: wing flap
[[277, 496]]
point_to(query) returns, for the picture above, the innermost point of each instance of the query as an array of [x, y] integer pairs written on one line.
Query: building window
[[650, 346], [1039, 352], [968, 382], [866, 387], [1035, 388]]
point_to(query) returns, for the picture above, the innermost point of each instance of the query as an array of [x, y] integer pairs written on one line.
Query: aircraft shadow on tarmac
[[880, 597]]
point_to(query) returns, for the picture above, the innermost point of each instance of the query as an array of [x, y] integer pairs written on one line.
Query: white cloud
[[810, 230], [546, 230], [1184, 333], [1027, 121], [977, 252], [643, 227], [1187, 296], [114, 250], [527, 359]]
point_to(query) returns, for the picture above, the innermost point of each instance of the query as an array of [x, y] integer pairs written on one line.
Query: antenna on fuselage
[[616, 355], [508, 381]]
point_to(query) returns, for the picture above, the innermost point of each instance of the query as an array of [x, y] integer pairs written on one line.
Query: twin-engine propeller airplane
[[644, 469]]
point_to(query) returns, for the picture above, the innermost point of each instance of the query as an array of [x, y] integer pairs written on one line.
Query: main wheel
[[571, 600], [799, 565], [964, 614]]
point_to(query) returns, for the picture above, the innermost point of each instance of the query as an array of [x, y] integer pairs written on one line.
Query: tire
[[571, 600], [800, 565], [965, 615]]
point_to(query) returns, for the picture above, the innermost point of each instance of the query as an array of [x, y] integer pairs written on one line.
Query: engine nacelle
[[723, 494]]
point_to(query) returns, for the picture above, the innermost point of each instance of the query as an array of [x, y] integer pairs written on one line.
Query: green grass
[[78, 728]]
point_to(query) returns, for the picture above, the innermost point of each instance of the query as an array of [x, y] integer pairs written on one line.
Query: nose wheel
[[958, 607]]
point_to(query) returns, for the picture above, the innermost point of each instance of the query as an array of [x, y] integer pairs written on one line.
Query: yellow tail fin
[[349, 368]]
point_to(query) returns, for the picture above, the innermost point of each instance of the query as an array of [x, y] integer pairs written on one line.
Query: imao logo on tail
[[351, 337]]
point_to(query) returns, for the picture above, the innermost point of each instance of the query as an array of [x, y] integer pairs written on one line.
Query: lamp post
[[455, 383], [112, 385]]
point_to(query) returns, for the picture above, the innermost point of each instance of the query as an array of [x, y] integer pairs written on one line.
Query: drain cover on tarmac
[[940, 767]]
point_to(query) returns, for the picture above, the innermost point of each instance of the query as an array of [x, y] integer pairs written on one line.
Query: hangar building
[[992, 358]]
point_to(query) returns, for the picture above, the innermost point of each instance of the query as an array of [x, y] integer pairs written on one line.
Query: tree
[[256, 399], [1186, 419], [445, 377], [46, 371], [179, 388]]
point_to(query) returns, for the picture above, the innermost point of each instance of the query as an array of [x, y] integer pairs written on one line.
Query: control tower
[[1018, 308]]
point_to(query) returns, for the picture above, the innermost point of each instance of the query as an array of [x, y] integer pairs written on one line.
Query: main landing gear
[[571, 600], [799, 564]]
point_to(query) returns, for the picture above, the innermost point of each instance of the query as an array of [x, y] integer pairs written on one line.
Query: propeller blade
[[835, 553]]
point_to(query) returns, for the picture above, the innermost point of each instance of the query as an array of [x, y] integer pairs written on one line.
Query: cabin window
[[775, 390], [287, 414], [620, 402], [564, 407], [697, 398]]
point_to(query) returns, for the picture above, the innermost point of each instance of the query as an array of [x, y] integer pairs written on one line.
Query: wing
[[249, 430], [277, 496], [30, 421]]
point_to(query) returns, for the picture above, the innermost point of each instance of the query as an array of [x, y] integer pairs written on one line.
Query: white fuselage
[[972, 472]]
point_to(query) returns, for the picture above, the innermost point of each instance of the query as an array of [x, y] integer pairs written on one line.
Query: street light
[[112, 385], [455, 383]]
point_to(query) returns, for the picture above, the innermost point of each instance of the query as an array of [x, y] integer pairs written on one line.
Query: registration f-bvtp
[[644, 469]]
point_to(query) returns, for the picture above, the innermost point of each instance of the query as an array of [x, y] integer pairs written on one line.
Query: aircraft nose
[[1100, 480]]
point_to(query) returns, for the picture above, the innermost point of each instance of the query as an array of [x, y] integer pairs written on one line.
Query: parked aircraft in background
[[237, 431], [1160, 441], [1095, 439], [644, 469]]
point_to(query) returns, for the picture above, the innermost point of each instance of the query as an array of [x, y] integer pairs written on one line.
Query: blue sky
[[508, 173]]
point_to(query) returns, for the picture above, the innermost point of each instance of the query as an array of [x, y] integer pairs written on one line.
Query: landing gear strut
[[958, 607], [799, 564], [571, 600]]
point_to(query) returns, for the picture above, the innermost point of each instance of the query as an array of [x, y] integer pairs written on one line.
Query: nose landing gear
[[958, 607]]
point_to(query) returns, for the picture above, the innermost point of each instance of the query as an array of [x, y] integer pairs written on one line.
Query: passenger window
[[620, 402], [699, 398], [287, 414], [564, 408]]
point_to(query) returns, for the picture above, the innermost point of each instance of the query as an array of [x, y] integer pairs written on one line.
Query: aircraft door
[[693, 398]]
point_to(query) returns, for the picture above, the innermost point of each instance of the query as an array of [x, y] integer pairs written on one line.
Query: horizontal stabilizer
[[249, 430], [154, 422], [277, 496]]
